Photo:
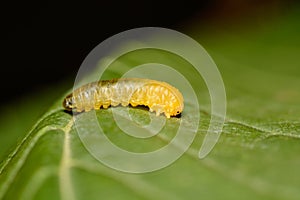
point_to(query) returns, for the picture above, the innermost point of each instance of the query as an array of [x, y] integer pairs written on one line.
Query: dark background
[[44, 43]]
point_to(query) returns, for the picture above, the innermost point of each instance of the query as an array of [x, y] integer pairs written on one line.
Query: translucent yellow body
[[159, 96]]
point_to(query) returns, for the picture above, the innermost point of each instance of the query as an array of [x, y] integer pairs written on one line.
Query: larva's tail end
[[177, 115]]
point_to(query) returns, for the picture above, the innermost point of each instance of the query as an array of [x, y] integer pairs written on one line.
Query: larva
[[159, 96]]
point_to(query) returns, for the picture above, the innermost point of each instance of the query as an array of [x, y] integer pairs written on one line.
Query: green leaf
[[257, 156]]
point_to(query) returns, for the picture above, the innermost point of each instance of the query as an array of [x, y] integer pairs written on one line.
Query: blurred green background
[[256, 46]]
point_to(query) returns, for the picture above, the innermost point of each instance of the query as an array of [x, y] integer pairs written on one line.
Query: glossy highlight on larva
[[159, 96]]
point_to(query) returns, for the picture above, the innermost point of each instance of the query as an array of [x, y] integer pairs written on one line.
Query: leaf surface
[[256, 157]]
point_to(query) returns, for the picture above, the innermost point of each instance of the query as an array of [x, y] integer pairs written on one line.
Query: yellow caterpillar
[[159, 96]]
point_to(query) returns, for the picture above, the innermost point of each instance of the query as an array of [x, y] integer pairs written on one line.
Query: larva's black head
[[68, 103]]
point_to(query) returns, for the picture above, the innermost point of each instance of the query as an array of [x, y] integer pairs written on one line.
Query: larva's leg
[[124, 104], [79, 110], [157, 108], [87, 109], [113, 103], [133, 104], [105, 106], [97, 106]]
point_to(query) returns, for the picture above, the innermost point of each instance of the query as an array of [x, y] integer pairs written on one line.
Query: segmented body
[[159, 96]]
